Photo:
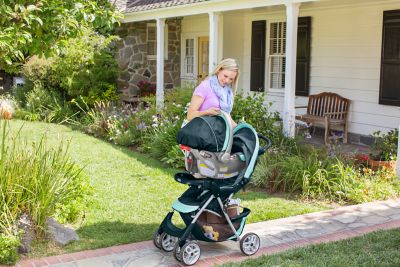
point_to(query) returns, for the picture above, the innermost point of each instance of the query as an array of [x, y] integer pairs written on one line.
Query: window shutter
[[303, 56], [389, 91], [257, 71]]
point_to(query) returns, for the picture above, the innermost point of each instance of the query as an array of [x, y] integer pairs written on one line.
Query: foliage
[[146, 88], [253, 110], [40, 181], [56, 88], [385, 145], [8, 248], [42, 27], [316, 175], [86, 67]]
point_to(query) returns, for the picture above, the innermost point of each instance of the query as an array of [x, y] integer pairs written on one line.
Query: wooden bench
[[328, 110]]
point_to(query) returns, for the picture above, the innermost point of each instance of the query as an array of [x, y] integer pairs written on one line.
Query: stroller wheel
[[168, 242], [190, 253], [177, 252], [249, 244], [157, 239]]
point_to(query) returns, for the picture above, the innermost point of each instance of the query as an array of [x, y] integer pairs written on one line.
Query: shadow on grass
[[105, 234]]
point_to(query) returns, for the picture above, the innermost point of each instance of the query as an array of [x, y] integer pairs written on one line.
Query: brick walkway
[[276, 236]]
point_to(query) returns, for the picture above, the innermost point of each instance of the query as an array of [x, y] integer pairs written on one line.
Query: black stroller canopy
[[205, 133]]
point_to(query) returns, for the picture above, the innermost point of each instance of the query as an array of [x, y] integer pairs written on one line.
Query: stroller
[[219, 162]]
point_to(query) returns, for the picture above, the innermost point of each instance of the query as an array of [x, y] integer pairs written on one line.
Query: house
[[287, 48]]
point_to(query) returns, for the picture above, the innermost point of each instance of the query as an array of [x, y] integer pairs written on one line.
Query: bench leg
[[326, 138], [345, 133]]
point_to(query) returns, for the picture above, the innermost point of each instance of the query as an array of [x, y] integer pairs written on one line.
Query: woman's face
[[226, 77]]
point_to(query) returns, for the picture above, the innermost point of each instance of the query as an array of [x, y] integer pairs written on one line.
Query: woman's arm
[[194, 107]]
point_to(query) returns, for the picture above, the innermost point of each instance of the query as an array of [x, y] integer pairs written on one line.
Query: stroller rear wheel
[[190, 253], [157, 239], [249, 244], [168, 242]]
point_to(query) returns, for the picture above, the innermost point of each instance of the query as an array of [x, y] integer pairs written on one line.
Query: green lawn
[[375, 249], [133, 192]]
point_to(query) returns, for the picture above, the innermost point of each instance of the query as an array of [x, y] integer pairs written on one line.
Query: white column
[[398, 157], [292, 13], [213, 48], [160, 64]]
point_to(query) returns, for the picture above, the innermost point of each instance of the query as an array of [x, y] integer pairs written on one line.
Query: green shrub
[[163, 144], [87, 68], [41, 181], [385, 145], [8, 249], [315, 175], [252, 109]]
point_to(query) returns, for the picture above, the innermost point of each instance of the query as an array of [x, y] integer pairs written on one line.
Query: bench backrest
[[323, 103]]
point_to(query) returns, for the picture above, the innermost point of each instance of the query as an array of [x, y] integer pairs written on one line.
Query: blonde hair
[[228, 64]]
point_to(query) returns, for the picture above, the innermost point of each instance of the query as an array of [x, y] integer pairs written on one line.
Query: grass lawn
[[375, 249], [133, 192]]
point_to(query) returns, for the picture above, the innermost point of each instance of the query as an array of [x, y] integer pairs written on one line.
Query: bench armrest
[[301, 107]]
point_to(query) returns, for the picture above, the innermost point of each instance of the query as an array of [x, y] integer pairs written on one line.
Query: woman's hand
[[213, 111]]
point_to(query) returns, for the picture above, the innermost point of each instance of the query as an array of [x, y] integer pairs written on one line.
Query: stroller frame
[[208, 192]]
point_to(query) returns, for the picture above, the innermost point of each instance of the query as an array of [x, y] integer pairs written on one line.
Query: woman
[[216, 92]]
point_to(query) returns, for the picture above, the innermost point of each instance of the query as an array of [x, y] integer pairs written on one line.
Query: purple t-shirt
[[207, 93]]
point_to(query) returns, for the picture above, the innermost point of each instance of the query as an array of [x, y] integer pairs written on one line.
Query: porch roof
[[142, 10], [132, 6]]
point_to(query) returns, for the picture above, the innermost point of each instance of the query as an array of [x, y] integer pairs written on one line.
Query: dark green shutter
[[303, 56], [389, 91], [257, 69]]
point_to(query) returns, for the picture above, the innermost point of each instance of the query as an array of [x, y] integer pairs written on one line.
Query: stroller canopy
[[209, 133]]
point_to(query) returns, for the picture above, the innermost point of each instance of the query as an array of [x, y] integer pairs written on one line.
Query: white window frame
[[154, 57], [184, 74], [270, 56]]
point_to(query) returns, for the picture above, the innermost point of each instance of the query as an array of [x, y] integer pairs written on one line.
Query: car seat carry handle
[[226, 155], [268, 142]]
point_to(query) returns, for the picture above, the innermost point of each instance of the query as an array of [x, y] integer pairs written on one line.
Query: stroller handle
[[268, 144]]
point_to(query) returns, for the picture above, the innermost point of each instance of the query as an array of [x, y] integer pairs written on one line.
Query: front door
[[203, 58]]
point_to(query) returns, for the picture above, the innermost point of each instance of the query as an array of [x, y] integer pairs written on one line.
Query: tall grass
[[36, 181], [316, 175]]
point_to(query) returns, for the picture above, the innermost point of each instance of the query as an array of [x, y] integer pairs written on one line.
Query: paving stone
[[371, 220], [356, 225], [345, 218], [395, 216]]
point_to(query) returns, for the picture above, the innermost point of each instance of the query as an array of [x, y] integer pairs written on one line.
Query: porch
[[288, 49]]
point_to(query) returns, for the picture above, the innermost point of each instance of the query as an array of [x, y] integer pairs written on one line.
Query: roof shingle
[[131, 6]]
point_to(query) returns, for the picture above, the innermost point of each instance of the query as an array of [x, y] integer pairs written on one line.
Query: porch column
[[398, 156], [160, 64], [213, 48], [292, 13]]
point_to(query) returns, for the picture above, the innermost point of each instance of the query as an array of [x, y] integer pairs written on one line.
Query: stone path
[[276, 235]]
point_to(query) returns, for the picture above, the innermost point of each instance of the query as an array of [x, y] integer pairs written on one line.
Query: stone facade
[[133, 61]]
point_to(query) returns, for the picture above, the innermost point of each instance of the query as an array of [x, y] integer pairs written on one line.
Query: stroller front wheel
[[190, 253], [177, 252], [168, 242], [249, 244]]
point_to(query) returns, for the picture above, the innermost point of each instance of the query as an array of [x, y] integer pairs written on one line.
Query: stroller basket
[[216, 228]]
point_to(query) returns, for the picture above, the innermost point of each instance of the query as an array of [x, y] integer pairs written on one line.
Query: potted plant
[[384, 150], [146, 88]]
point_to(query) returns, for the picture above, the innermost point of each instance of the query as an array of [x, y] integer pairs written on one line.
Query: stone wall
[[132, 57]]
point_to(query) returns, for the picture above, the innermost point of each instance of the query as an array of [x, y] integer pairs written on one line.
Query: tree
[[42, 27]]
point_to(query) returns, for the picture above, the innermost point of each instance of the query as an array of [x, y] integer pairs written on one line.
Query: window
[[277, 58], [389, 93], [189, 57], [152, 41]]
